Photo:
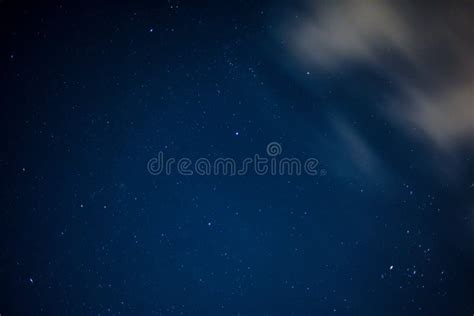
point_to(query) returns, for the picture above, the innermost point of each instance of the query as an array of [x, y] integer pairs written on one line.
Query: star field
[[91, 91]]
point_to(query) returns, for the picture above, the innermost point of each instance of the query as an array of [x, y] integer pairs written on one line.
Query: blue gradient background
[[90, 93]]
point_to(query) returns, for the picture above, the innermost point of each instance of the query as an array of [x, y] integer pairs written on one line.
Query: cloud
[[444, 116], [434, 43], [361, 153], [344, 31]]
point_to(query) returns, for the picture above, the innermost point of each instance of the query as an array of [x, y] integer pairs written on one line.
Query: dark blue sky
[[91, 92]]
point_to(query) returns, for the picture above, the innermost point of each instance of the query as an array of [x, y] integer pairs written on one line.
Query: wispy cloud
[[434, 42]]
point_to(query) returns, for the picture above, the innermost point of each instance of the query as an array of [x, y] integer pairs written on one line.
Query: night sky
[[379, 92]]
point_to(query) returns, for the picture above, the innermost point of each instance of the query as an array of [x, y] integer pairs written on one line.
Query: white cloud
[[344, 31], [437, 85]]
